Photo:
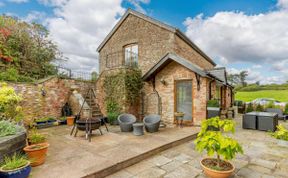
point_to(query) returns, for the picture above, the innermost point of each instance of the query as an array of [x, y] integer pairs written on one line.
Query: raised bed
[[12, 143]]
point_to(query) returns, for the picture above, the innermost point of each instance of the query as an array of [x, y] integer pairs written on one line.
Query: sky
[[238, 34]]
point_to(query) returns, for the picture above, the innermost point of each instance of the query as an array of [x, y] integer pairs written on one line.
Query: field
[[280, 95]]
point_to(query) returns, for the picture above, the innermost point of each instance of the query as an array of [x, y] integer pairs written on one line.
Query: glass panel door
[[184, 98]]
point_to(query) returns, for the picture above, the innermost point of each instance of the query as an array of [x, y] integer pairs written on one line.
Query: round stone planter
[[11, 144]]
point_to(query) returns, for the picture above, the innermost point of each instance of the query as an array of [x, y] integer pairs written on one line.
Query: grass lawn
[[280, 95]]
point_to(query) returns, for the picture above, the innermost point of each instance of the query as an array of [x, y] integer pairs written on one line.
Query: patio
[[70, 156], [263, 157]]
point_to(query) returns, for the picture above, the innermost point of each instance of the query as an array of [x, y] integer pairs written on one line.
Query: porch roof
[[168, 58]]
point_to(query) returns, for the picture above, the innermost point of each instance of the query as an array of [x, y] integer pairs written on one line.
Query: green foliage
[[63, 118], [9, 128], [270, 105], [113, 110], [238, 103], [286, 109], [11, 74], [255, 87], [215, 142], [280, 95], [213, 103], [94, 76], [45, 119], [281, 133], [250, 108], [123, 87], [35, 137], [27, 48], [133, 84], [9, 103], [259, 108], [15, 161]]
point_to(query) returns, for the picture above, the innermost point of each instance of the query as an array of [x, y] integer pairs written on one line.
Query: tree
[[27, 48], [242, 77]]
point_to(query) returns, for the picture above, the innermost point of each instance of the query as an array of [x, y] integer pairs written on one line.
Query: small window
[[131, 55]]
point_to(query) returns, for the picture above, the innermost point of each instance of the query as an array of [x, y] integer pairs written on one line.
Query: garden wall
[[47, 97]]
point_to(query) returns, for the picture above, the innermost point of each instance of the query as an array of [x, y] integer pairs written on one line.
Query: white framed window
[[131, 55]]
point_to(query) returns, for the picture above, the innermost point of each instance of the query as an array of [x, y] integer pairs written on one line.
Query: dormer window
[[131, 55]]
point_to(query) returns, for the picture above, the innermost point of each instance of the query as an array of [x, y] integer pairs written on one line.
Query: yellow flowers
[[9, 103]]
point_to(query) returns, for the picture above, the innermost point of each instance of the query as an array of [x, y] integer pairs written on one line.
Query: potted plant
[[15, 166], [37, 149], [62, 120], [70, 120], [112, 118], [281, 134], [216, 142], [112, 109], [213, 108]]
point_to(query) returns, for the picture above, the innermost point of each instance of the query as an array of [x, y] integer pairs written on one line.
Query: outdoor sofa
[[152, 122], [126, 122]]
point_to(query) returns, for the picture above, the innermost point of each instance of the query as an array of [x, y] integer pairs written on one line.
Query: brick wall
[[173, 72], [57, 94]]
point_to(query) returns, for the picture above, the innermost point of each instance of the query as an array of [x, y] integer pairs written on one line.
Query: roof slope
[[167, 59], [158, 23], [219, 73]]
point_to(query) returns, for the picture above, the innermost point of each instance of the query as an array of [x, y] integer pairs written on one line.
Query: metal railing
[[121, 59], [63, 72]]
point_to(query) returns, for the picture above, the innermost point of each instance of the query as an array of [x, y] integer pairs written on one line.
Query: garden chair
[[277, 111], [152, 122], [126, 122]]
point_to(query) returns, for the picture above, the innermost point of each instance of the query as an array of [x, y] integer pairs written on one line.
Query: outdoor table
[[260, 120], [249, 120], [138, 129], [267, 121]]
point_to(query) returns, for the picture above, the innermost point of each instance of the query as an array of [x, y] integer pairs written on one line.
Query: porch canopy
[[167, 59]]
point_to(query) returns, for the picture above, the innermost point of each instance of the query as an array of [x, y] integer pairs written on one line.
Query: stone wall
[[170, 74], [57, 91]]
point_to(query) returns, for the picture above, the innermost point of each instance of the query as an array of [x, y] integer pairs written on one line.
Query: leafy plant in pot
[[37, 149], [15, 166], [112, 109], [215, 142]]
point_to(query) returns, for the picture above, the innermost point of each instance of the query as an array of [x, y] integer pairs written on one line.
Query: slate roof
[[167, 59], [219, 73], [158, 23]]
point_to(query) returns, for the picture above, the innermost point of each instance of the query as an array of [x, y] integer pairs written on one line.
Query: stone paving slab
[[75, 157], [263, 157]]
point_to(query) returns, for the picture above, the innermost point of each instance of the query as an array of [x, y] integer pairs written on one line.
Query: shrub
[[113, 110], [281, 133], [14, 162], [270, 105], [216, 142], [250, 108], [12, 75], [259, 108], [35, 137], [213, 103], [286, 109], [238, 103], [9, 103], [9, 128]]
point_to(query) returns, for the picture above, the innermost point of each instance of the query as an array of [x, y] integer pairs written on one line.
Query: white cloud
[[18, 1], [80, 26], [55, 3], [238, 37], [35, 16], [137, 4]]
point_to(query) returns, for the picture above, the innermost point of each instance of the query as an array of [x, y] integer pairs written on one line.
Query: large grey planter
[[126, 122], [152, 123], [11, 144], [213, 112], [249, 120], [267, 121], [277, 111]]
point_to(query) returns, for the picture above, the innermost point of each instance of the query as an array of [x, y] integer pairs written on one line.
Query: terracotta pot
[[37, 153], [70, 120], [216, 174]]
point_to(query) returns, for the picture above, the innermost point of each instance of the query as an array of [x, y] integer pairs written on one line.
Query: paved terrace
[[263, 158], [70, 157]]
